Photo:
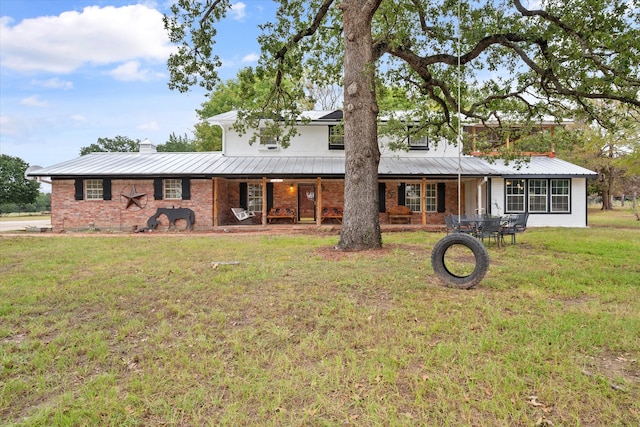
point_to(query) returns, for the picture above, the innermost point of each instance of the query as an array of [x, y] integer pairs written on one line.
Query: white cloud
[[33, 101], [131, 71], [238, 11], [95, 36], [252, 57], [53, 83], [149, 126]]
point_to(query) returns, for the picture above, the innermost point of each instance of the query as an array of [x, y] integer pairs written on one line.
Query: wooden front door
[[306, 202]]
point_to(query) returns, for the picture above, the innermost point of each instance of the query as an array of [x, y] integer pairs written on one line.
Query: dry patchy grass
[[284, 330]]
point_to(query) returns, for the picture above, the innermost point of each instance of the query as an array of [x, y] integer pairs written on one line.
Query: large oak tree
[[502, 61]]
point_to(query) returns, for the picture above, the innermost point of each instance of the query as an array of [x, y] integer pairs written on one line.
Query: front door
[[306, 202]]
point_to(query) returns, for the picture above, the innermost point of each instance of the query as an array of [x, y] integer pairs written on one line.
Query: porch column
[[214, 207], [423, 202], [264, 200], [318, 200]]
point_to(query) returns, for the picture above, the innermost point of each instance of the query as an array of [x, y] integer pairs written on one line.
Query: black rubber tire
[[450, 279]]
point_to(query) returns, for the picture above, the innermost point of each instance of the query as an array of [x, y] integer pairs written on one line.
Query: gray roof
[[211, 164]]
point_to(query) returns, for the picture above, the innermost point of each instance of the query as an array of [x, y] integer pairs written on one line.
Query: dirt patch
[[617, 369]]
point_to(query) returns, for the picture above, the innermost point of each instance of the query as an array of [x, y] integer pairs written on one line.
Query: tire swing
[[452, 250], [443, 258]]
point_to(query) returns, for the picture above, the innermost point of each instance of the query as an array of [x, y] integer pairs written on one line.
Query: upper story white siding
[[312, 141]]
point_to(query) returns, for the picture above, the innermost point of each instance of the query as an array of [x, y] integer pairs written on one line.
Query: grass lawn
[[236, 329]]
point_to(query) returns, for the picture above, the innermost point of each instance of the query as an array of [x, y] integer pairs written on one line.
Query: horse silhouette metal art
[[172, 214]]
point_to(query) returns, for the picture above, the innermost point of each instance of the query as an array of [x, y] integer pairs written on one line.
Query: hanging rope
[[459, 128]]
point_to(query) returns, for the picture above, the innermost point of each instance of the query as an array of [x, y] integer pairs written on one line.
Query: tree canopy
[[499, 61], [14, 186], [118, 144]]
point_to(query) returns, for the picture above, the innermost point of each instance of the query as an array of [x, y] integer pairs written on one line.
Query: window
[[172, 189], [430, 198], [93, 189], [417, 142], [560, 193], [269, 137], [515, 189], [412, 197], [336, 137], [254, 197], [542, 195], [537, 195]]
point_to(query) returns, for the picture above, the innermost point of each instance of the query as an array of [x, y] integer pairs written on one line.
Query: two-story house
[[304, 183]]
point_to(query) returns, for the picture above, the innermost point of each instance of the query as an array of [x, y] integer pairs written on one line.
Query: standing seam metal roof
[[216, 164]]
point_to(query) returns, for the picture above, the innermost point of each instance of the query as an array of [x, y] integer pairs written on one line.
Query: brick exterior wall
[[68, 213]]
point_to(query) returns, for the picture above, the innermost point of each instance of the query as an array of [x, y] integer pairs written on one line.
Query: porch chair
[[241, 214]]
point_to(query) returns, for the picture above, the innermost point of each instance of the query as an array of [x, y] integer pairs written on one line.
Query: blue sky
[[73, 71]]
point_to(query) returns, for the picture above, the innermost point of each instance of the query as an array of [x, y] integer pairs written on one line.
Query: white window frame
[[413, 197], [560, 195], [538, 195], [172, 189], [515, 192], [431, 197], [254, 197], [93, 189]]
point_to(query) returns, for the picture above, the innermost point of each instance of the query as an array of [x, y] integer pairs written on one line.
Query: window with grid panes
[[430, 198], [336, 137], [172, 189], [560, 195], [515, 192], [254, 197], [412, 197], [537, 195], [93, 189]]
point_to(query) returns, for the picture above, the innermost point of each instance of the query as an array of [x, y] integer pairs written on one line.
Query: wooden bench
[[331, 213], [401, 214], [282, 213]]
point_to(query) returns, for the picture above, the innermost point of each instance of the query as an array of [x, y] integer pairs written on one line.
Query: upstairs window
[[336, 137], [417, 142], [269, 138]]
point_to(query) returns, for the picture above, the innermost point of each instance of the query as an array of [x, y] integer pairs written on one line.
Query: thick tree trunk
[[361, 225]]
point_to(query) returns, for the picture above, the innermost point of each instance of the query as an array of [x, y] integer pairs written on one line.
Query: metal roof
[[542, 166], [216, 164]]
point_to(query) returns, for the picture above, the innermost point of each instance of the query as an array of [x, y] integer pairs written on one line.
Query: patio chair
[[489, 228], [513, 224], [241, 214]]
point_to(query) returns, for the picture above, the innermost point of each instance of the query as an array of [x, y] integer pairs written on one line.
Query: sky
[[73, 71]]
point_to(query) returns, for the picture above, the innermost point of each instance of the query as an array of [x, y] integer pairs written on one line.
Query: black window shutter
[[269, 195], [157, 189], [382, 197], [441, 199], [186, 189], [106, 189], [79, 189], [244, 201], [401, 196]]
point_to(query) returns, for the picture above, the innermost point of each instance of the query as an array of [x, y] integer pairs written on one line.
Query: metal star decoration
[[134, 198]]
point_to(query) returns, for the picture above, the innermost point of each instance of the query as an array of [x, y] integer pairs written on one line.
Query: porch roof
[[210, 164]]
